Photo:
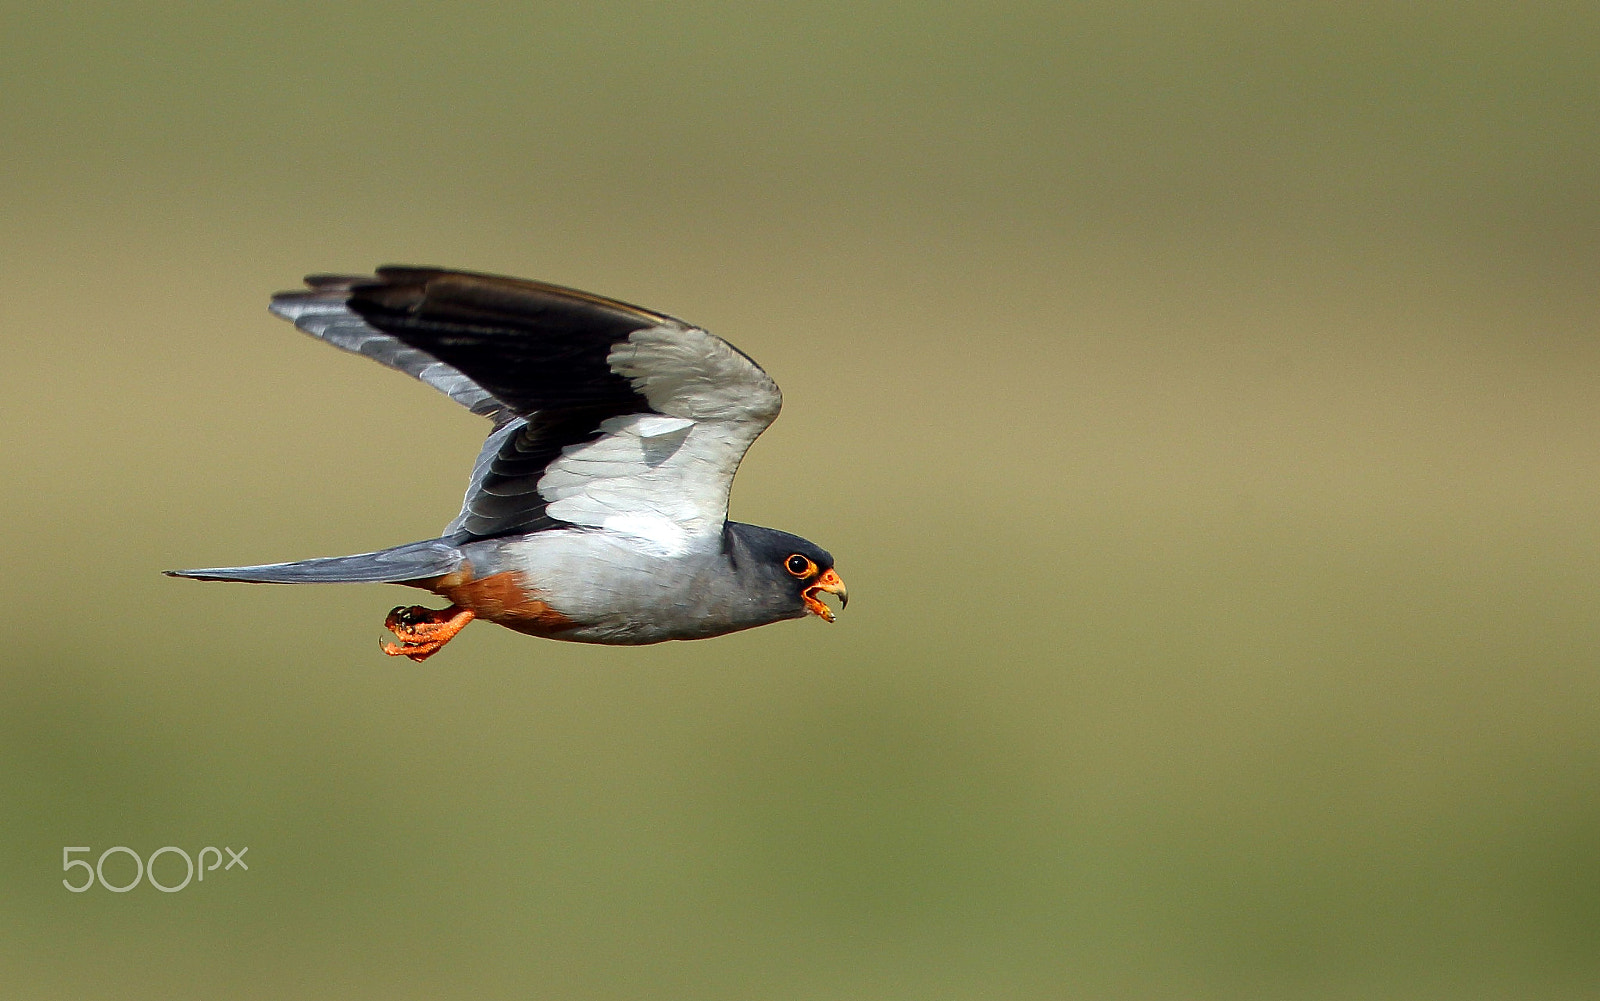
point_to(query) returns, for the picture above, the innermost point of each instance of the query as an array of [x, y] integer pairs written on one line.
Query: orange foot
[[422, 631]]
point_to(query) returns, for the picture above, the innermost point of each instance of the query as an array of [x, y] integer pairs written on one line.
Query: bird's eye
[[800, 566]]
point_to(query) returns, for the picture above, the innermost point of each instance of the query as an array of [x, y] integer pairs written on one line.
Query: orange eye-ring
[[800, 566]]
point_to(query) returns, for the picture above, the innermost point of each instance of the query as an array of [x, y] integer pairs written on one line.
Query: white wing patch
[[668, 487], [686, 372], [664, 478], [657, 427]]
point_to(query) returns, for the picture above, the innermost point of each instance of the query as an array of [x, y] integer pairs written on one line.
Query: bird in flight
[[597, 509]]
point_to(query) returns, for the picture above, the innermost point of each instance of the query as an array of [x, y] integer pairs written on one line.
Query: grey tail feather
[[412, 561]]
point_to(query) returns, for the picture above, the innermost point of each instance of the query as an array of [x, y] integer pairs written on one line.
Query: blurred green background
[[1202, 403]]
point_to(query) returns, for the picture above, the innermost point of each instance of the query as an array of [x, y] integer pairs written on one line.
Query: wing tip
[[320, 288], [336, 287], [341, 282]]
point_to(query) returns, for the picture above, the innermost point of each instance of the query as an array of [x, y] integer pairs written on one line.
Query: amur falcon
[[597, 509]]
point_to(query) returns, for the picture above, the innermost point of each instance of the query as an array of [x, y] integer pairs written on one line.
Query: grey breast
[[619, 592]]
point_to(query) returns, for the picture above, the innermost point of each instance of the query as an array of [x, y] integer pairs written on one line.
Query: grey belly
[[617, 593]]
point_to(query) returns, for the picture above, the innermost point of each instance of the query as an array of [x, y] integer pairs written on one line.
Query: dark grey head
[[785, 570]]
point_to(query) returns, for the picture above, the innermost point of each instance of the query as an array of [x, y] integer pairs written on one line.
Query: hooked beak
[[830, 583]]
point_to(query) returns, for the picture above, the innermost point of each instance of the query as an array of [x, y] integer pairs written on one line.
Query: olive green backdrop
[[1202, 402]]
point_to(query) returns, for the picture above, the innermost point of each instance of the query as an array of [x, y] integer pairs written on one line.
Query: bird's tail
[[412, 561]]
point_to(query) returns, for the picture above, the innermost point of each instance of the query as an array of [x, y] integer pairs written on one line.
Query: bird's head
[[793, 567]]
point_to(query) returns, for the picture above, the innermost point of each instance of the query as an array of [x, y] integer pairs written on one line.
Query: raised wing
[[321, 312], [607, 415]]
